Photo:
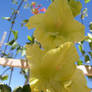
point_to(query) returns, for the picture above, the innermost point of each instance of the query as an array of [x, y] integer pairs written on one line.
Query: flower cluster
[[36, 9], [53, 68]]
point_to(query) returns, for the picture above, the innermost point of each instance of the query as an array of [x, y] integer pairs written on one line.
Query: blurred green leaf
[[90, 44], [10, 43], [87, 1], [90, 53], [24, 22], [82, 16], [53, 0], [5, 88], [19, 89], [87, 58], [15, 33], [14, 46], [90, 26], [80, 62], [81, 49], [29, 38], [6, 18], [3, 78], [26, 88]]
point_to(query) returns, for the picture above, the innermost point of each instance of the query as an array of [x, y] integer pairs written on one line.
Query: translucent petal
[[34, 54], [34, 21], [55, 27], [53, 68], [78, 83], [60, 61], [75, 7]]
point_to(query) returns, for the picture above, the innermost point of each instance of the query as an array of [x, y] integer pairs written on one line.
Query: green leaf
[[87, 58], [90, 53], [3, 78], [6, 18], [84, 13], [87, 1], [90, 26], [24, 22], [90, 44], [83, 52], [10, 43], [80, 62], [52, 0], [81, 49], [18, 89], [89, 77], [15, 33], [14, 46], [82, 42], [82, 16], [26, 88], [5, 88], [29, 38]]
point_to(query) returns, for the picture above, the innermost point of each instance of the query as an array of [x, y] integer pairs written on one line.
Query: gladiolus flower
[[53, 69], [45, 75], [57, 25]]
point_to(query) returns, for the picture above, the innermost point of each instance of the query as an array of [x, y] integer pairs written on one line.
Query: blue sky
[[5, 11]]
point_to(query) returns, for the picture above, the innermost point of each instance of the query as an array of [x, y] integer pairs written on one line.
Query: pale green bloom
[[57, 25], [54, 70], [75, 7], [77, 83]]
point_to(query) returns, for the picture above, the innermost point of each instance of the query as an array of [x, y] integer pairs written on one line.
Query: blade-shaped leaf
[[15, 33]]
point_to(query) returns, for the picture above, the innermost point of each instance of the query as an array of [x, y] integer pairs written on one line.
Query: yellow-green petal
[[75, 7], [53, 68], [78, 83], [57, 25], [34, 54]]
